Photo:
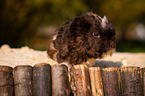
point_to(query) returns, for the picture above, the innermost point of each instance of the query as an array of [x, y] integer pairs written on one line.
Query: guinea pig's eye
[[96, 34]]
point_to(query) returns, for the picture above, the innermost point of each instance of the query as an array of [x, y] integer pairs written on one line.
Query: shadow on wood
[[105, 64]]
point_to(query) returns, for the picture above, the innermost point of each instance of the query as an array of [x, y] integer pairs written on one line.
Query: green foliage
[[20, 19], [130, 46], [123, 12]]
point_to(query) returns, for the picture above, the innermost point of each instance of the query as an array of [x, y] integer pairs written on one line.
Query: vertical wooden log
[[143, 79], [42, 80], [131, 81], [96, 81], [110, 78], [6, 81], [81, 78], [23, 80], [60, 81]]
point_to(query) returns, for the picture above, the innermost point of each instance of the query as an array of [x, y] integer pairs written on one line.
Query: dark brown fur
[[75, 42]]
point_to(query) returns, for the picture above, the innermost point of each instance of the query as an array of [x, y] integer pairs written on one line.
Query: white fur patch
[[52, 46], [104, 21], [54, 37], [65, 63]]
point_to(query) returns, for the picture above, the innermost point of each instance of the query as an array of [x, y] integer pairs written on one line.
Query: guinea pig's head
[[85, 37]]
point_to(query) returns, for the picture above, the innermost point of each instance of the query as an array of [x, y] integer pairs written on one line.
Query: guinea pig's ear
[[79, 27], [104, 21]]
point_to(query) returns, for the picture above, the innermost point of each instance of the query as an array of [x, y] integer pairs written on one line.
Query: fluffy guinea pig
[[84, 37]]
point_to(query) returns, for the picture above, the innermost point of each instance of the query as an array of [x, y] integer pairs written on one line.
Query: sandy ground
[[22, 56], [123, 59], [26, 56]]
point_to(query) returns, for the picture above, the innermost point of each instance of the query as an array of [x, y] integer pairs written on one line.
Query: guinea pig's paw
[[108, 53]]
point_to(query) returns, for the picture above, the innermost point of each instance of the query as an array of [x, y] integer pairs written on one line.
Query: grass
[[130, 46]]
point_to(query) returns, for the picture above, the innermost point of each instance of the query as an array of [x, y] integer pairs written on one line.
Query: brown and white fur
[[85, 37]]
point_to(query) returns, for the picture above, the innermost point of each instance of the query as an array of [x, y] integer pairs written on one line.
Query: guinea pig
[[84, 37]]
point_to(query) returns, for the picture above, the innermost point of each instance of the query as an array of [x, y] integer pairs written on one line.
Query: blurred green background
[[33, 22]]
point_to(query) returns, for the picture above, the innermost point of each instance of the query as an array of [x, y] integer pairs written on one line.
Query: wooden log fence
[[6, 81], [23, 80], [42, 80], [110, 78], [60, 81], [46, 80]]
